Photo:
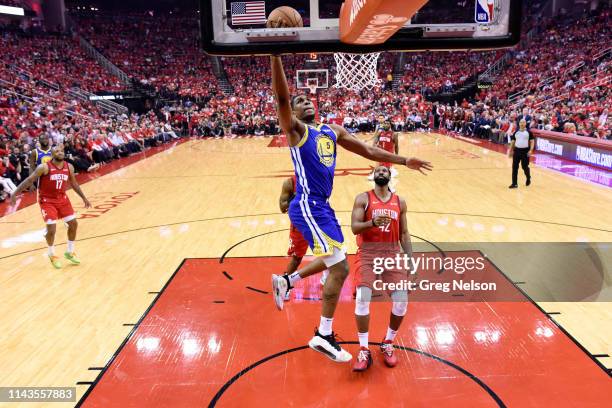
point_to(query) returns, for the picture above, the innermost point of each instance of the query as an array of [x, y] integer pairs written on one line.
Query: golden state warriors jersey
[[314, 161]]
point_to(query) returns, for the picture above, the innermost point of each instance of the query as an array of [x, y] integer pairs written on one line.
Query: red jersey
[[389, 233], [385, 141], [53, 184]]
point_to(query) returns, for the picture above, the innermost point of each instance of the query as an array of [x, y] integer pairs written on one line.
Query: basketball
[[284, 16]]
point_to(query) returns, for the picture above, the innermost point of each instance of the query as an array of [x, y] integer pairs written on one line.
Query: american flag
[[249, 12]]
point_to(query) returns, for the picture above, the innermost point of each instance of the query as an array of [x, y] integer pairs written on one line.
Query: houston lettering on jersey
[[58, 176], [385, 212]]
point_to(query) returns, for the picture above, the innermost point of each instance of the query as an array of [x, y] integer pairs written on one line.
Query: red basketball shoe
[[364, 360], [386, 347]]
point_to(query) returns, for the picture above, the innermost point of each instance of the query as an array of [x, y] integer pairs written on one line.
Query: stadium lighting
[[13, 11]]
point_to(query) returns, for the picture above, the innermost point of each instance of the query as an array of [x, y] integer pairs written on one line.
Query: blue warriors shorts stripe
[[317, 222]]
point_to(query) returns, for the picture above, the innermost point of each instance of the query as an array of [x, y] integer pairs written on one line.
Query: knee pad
[[399, 308], [362, 301], [400, 303]]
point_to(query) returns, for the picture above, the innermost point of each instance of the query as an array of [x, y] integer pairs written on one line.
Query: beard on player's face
[[381, 180], [382, 176]]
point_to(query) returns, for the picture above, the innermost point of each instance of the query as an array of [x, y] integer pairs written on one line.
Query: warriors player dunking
[[386, 138], [313, 152], [379, 221], [54, 177]]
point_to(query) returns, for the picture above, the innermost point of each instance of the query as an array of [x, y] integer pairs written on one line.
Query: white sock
[[51, 250], [325, 326], [71, 246], [293, 278], [363, 339], [390, 334]]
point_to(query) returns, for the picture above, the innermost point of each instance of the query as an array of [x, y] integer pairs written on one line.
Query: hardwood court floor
[[198, 199]]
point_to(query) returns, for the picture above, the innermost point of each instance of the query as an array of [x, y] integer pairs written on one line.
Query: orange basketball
[[284, 16]]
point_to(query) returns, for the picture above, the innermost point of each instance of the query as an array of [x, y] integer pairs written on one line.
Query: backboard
[[312, 79], [232, 27]]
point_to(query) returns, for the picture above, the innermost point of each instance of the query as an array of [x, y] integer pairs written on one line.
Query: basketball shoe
[[386, 347], [280, 287], [55, 261], [328, 346], [72, 257], [364, 360]]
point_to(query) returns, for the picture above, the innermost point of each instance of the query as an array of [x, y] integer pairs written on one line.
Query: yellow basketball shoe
[[72, 257], [55, 261]]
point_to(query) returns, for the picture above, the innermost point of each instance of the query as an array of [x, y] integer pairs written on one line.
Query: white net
[[356, 71]]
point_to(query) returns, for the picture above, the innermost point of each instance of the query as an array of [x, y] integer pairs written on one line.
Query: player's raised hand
[[419, 165]]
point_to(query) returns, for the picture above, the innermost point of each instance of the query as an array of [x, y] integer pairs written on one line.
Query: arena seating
[[160, 50], [59, 60]]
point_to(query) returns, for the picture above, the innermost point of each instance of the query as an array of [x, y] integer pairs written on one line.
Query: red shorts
[[365, 275], [55, 209], [297, 244]]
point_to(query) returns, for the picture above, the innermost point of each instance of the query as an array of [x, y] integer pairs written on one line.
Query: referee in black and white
[[521, 148]]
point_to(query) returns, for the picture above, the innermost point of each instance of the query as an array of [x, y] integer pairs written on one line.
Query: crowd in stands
[[430, 73], [161, 51], [57, 59], [566, 89], [89, 140]]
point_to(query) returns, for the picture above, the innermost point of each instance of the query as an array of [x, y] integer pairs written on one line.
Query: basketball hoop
[[356, 71], [312, 84]]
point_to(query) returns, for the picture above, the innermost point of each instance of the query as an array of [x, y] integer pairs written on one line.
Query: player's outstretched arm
[[76, 187], [39, 171], [352, 144], [286, 195], [293, 128]]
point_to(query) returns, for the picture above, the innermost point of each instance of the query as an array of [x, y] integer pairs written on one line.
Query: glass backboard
[[238, 27]]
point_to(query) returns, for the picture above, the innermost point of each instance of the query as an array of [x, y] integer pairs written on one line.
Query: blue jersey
[[314, 161], [42, 156]]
